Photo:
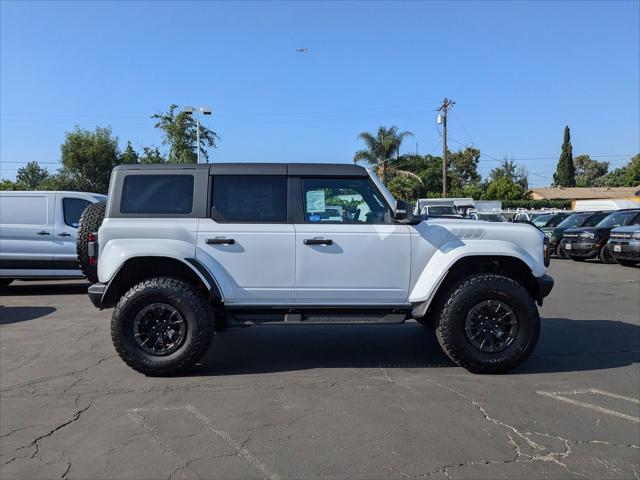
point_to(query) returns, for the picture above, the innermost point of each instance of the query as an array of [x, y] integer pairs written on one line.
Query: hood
[[627, 229]]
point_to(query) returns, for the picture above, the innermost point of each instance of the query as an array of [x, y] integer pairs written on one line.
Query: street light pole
[[205, 111]]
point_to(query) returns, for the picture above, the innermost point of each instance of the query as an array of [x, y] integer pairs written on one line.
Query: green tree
[[507, 182], [588, 171], [404, 188], [60, 181], [565, 175], [88, 158], [129, 155], [31, 176], [6, 184], [625, 176], [381, 149], [179, 130], [462, 171], [152, 155]]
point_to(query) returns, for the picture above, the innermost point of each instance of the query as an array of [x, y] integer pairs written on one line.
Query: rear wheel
[[5, 282], [162, 326], [487, 323], [90, 222], [605, 255]]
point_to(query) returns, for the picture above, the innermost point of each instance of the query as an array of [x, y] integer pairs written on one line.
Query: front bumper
[[625, 249], [581, 248], [545, 285], [96, 293]]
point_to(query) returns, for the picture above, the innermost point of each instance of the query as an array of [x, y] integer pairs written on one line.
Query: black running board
[[322, 318]]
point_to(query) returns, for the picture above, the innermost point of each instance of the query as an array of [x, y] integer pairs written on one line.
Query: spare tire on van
[[89, 223]]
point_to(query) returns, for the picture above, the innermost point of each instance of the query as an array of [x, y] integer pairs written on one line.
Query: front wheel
[[605, 255], [561, 253], [487, 324], [162, 326]]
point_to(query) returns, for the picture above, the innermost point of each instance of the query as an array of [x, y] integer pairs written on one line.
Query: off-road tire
[[89, 222], [605, 255], [5, 282], [627, 263], [190, 303], [451, 313]]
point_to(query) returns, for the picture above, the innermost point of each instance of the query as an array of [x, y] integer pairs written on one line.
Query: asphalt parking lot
[[374, 401]]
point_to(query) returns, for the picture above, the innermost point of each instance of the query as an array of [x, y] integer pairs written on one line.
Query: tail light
[[91, 248]]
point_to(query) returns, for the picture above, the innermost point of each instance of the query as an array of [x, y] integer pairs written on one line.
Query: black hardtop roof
[[304, 169]]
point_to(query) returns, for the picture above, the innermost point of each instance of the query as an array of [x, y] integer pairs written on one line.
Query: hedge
[[536, 204]]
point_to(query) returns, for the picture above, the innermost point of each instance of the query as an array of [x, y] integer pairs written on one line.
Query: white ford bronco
[[186, 250]]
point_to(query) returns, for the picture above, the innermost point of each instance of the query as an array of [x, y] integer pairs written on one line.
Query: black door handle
[[220, 241], [42, 233], [317, 241], [64, 234]]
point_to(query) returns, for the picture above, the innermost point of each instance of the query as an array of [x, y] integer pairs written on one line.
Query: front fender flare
[[451, 252]]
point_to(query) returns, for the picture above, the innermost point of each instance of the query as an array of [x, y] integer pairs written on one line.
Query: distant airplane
[[302, 50]]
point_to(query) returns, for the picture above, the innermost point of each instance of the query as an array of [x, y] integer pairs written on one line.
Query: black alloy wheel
[[491, 326]]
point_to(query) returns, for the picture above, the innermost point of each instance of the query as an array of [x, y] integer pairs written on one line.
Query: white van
[[38, 233]]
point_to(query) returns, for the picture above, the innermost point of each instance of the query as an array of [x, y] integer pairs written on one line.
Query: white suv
[[38, 233], [186, 249]]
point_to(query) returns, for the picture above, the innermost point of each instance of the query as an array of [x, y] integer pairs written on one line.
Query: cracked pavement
[[363, 401]]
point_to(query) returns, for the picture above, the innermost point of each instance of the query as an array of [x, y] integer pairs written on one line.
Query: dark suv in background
[[581, 219], [591, 242]]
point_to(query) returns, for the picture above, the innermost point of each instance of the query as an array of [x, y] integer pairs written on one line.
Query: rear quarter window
[[157, 194]]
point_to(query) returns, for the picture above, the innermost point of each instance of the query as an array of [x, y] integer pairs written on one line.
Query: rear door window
[[157, 194], [249, 199], [72, 209]]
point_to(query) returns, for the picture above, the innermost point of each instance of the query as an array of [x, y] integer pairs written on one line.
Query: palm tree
[[380, 150]]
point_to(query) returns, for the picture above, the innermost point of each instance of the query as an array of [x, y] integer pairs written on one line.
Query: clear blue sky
[[519, 71]]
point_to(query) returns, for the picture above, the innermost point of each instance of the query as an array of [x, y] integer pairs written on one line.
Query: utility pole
[[446, 104]]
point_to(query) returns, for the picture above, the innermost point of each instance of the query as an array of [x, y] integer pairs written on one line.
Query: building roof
[[584, 193]]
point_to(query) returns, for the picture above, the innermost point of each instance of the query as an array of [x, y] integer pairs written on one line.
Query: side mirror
[[404, 214], [402, 210]]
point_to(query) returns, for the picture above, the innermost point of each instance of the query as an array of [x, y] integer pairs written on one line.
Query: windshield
[[542, 220], [441, 210], [617, 219], [573, 221]]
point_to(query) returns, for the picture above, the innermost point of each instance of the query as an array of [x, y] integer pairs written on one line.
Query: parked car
[[526, 217], [440, 211], [590, 242], [550, 219], [184, 249], [624, 245], [487, 216], [38, 233], [582, 219]]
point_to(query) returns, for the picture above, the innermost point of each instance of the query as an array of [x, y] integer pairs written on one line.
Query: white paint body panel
[[365, 265], [258, 269], [121, 239]]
